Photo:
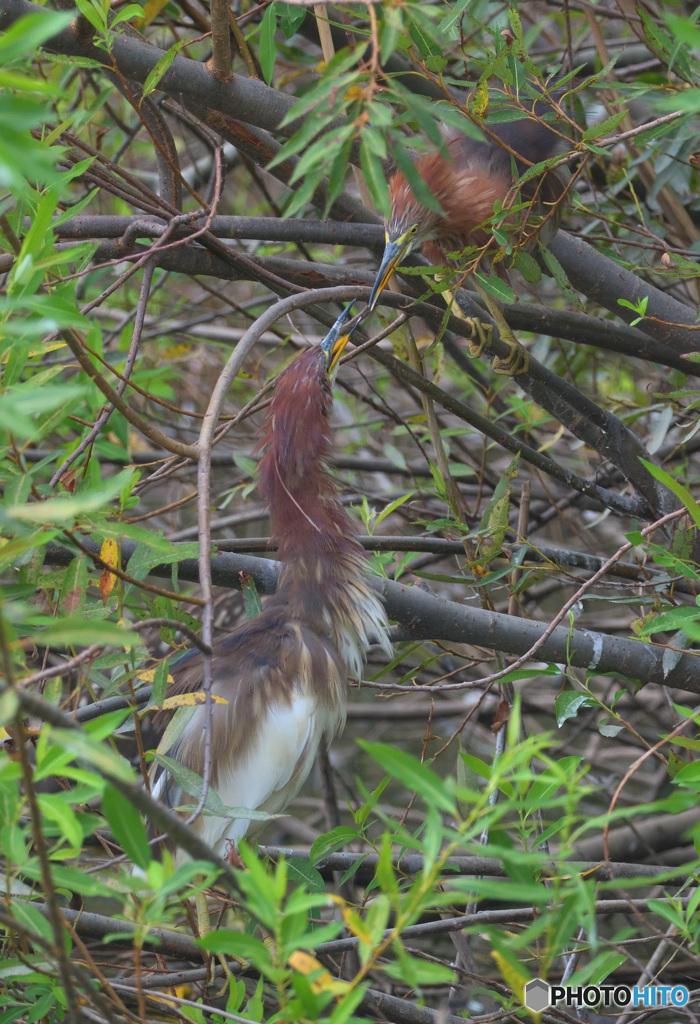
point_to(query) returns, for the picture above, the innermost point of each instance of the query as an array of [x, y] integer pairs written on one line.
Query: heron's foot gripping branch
[[482, 336], [517, 361]]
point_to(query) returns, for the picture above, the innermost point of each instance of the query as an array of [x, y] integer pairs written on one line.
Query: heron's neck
[[325, 584], [324, 576]]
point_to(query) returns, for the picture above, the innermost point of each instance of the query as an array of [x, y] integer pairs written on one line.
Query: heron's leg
[[482, 332], [518, 359], [203, 928]]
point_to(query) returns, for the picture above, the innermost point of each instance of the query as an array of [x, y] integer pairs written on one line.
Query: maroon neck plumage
[[309, 524], [323, 583]]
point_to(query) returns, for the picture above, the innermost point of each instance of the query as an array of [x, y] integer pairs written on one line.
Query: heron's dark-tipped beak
[[338, 351], [335, 341], [393, 251]]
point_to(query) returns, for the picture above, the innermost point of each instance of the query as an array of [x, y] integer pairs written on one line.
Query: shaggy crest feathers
[[468, 183]]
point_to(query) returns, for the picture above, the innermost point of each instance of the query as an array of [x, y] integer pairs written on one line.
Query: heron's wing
[[285, 688]]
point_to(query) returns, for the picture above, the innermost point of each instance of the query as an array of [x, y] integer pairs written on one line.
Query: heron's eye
[[414, 229]]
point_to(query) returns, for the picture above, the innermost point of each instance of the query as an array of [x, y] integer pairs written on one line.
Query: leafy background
[[190, 194]]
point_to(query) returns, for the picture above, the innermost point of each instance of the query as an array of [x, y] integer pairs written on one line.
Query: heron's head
[[410, 225], [335, 341]]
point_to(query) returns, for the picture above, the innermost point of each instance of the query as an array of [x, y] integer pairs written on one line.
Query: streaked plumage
[[466, 185], [285, 673]]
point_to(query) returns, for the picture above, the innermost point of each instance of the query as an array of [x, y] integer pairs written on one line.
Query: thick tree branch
[[604, 281], [422, 616]]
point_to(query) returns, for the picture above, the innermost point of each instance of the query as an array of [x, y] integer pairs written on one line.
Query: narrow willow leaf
[[412, 774], [163, 65], [268, 50], [127, 827]]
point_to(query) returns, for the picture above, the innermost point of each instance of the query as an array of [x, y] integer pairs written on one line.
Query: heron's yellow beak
[[337, 351], [336, 340], [393, 253]]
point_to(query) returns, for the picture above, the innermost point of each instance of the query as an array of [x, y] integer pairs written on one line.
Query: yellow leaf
[[322, 980], [479, 100], [151, 10], [552, 440], [186, 700], [176, 351], [514, 980], [109, 553], [50, 346], [165, 1003], [356, 925], [355, 92], [148, 675]]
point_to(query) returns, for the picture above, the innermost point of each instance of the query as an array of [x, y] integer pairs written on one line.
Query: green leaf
[[302, 873], [569, 703], [238, 944], [412, 774], [76, 631], [27, 34], [154, 76], [251, 598], [528, 267], [193, 785], [415, 972], [268, 49], [29, 915], [74, 587], [557, 271], [676, 618], [126, 14], [596, 131], [54, 809], [681, 492], [407, 167], [66, 509], [127, 827], [375, 179], [386, 873], [494, 521], [99, 756], [494, 286], [23, 404], [92, 11], [291, 18], [331, 841], [393, 505], [669, 912], [71, 879]]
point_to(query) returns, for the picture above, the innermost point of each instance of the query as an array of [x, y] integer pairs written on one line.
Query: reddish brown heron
[[285, 673], [467, 183]]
